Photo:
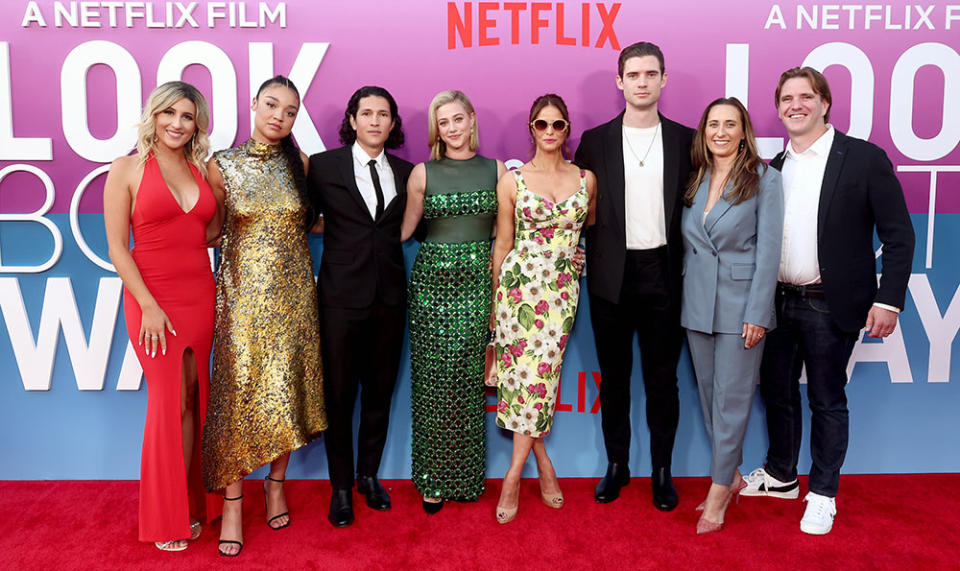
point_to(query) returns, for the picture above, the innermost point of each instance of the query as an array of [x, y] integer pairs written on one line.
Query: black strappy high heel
[[266, 508], [230, 541]]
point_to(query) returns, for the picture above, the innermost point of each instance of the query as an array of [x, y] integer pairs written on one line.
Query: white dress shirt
[[802, 179], [645, 221], [365, 182]]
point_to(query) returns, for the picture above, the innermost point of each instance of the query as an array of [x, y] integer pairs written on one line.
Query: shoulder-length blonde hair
[[438, 148], [747, 167], [165, 95]]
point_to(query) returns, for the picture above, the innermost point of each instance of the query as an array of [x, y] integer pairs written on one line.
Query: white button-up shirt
[[361, 171], [802, 180]]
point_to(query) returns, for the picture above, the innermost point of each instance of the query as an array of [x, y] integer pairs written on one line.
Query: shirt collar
[[362, 158], [820, 147]]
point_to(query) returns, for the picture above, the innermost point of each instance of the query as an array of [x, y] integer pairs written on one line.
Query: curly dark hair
[[290, 149], [348, 134]]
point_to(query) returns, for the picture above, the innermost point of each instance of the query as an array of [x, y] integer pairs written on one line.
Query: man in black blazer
[[837, 191], [635, 252], [361, 192]]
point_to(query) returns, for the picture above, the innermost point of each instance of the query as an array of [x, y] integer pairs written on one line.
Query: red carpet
[[902, 521]]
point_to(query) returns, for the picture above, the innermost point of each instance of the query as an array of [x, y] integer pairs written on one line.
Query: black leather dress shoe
[[377, 497], [341, 508], [664, 494], [617, 476]]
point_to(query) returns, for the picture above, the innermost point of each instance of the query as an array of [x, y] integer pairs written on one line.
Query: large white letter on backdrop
[[941, 329], [901, 99], [302, 72], [35, 359], [16, 148], [223, 103], [73, 100], [35, 216], [861, 81]]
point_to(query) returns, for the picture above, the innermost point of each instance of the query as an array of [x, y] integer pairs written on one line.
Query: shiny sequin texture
[[450, 300], [266, 394]]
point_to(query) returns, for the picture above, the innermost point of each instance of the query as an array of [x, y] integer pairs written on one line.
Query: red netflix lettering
[[491, 18]]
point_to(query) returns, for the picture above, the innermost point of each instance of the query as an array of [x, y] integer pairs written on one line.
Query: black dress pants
[[361, 349], [647, 308]]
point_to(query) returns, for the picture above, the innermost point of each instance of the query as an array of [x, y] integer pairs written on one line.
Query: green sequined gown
[[450, 297]]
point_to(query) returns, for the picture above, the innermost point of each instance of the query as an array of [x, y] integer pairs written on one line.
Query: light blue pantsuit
[[730, 266]]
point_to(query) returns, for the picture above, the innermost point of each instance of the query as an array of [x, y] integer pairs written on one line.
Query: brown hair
[[551, 100], [640, 49], [817, 81], [747, 167]]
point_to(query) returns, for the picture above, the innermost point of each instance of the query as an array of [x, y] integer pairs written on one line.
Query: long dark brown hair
[[290, 149], [550, 100], [747, 167]]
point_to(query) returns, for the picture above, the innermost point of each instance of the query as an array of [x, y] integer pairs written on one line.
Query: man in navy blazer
[[642, 163], [361, 191], [837, 191]]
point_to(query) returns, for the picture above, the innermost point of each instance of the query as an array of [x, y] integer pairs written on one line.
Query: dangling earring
[[741, 146]]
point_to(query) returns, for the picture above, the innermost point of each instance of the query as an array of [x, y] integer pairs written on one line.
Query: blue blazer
[[731, 260]]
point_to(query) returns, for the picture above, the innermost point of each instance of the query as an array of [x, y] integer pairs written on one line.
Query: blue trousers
[[806, 335], [726, 378]]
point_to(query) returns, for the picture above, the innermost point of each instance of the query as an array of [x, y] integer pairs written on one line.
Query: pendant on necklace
[[641, 163]]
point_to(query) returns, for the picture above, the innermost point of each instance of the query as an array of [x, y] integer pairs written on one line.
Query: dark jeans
[[645, 307], [806, 335]]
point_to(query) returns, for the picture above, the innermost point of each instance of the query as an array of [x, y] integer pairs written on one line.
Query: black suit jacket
[[860, 192], [362, 260], [601, 151]]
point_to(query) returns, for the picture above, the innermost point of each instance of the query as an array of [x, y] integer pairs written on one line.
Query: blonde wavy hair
[[165, 95], [437, 147]]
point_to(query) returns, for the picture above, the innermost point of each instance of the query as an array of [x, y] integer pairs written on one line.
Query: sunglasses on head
[[542, 124]]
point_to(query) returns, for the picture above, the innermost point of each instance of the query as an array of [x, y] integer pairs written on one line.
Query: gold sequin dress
[[266, 396]]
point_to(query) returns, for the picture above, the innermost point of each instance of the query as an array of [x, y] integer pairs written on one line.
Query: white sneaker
[[760, 483], [818, 517]]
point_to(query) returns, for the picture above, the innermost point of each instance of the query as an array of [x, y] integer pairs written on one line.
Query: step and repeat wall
[[74, 74]]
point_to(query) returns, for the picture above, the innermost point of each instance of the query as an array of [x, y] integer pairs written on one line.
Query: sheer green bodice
[[460, 201]]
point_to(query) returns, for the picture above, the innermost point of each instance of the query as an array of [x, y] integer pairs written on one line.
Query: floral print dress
[[536, 304]]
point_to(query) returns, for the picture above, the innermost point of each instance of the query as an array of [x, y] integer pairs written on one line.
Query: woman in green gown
[[450, 297]]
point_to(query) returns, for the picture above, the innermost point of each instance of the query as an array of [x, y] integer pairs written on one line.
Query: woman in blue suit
[[732, 228]]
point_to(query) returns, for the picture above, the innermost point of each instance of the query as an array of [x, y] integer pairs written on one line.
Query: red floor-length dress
[[169, 248]]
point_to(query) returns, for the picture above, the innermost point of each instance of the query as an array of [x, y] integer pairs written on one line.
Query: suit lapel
[[401, 188], [830, 177], [671, 160], [719, 209], [613, 162], [350, 178], [698, 207]]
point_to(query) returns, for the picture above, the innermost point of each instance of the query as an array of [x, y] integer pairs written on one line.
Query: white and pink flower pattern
[[536, 305]]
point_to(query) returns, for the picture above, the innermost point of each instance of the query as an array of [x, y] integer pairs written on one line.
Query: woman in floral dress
[[541, 209]]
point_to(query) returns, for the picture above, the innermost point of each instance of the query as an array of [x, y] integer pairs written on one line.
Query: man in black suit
[[837, 191], [642, 163], [361, 192]]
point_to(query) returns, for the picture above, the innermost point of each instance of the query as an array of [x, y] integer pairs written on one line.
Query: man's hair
[[817, 81], [640, 49], [348, 135]]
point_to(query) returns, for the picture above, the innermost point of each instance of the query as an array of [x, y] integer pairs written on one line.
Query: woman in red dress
[[168, 297]]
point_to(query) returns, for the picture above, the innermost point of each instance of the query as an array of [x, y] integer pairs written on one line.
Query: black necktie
[[376, 186]]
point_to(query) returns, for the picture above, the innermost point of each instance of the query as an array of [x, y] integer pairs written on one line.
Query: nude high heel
[[554, 501], [505, 514]]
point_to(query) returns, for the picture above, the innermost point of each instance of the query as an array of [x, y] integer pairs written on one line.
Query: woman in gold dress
[[266, 395]]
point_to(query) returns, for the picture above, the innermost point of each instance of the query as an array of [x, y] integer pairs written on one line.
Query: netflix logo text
[[491, 23]]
